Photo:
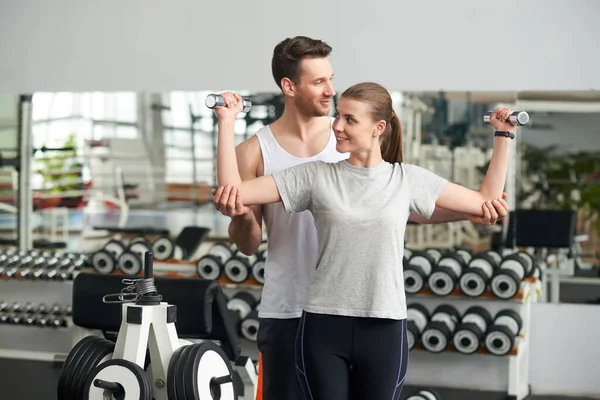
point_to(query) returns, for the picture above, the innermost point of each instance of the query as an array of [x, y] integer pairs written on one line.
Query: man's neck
[[303, 126]]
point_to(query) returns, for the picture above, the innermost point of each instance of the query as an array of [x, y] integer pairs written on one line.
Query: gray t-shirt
[[360, 215]]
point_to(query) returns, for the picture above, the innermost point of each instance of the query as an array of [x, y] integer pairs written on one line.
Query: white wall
[[407, 45]]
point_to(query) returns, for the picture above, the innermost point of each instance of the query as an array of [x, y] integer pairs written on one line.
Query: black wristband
[[505, 134]]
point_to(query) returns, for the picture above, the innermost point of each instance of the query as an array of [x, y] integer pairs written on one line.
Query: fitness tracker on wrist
[[505, 134]]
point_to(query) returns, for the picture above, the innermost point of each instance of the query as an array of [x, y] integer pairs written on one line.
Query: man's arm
[[245, 228]]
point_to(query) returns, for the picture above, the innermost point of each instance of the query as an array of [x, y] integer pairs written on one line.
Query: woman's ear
[[380, 128]]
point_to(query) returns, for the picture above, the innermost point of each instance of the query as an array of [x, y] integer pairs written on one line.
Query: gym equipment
[[211, 265], [115, 247], [445, 275], [438, 333], [417, 271], [178, 370], [520, 118], [435, 253], [507, 279], [476, 278], [216, 100], [164, 248], [238, 268], [130, 263], [249, 326], [417, 317], [502, 334], [424, 394], [258, 268], [470, 333]]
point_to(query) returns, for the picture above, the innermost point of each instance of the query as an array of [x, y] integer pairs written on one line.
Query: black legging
[[342, 358]]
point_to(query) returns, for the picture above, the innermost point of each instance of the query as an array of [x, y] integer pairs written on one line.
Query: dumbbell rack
[[425, 366]]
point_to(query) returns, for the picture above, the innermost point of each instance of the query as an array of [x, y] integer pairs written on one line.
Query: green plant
[[55, 167]]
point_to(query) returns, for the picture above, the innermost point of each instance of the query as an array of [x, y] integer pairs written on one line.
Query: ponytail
[[391, 141]]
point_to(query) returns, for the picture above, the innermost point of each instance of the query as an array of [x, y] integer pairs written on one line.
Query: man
[[303, 133]]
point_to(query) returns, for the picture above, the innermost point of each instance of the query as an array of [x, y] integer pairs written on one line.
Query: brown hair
[[288, 54], [380, 105]]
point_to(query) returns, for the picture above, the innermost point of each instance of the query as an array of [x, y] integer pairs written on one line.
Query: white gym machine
[[178, 369]]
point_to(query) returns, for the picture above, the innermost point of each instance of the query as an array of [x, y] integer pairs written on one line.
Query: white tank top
[[292, 238]]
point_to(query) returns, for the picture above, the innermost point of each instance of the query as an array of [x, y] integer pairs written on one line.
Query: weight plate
[[115, 247], [182, 377], [236, 270], [222, 251], [130, 263], [103, 262], [434, 341], [140, 248], [473, 283], [249, 328], [206, 362], [130, 376], [209, 267], [505, 285], [499, 341], [466, 341], [414, 281], [163, 248], [100, 351], [172, 375], [66, 374], [258, 272], [440, 283]]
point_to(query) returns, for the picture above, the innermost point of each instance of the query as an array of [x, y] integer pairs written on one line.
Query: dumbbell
[[520, 118], [249, 326], [213, 101], [470, 333], [435, 253], [130, 262], [416, 272], [238, 268], [507, 279], [115, 247], [466, 254], [424, 394], [210, 265], [164, 248], [502, 334], [438, 333], [476, 278], [417, 319], [242, 303], [445, 275], [258, 268]]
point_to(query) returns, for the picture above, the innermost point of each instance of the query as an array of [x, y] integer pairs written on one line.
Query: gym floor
[[18, 375]]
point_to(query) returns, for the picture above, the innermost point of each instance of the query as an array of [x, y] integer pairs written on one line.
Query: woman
[[352, 339]]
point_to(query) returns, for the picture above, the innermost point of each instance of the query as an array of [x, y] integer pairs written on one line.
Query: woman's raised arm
[[261, 190], [460, 199]]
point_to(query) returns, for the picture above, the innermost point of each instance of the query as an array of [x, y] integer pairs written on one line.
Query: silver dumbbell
[[216, 100], [520, 118]]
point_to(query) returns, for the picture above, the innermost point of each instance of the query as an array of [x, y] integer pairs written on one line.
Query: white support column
[[25, 211]]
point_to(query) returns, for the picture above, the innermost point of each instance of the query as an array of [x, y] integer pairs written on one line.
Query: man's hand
[[228, 201], [492, 212]]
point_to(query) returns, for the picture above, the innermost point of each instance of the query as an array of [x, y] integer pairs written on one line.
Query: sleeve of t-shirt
[[424, 187], [295, 185]]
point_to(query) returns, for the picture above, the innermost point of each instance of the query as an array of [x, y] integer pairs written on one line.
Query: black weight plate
[[96, 355], [71, 372], [189, 373], [78, 372], [172, 374], [202, 349], [140, 375], [65, 377], [181, 369]]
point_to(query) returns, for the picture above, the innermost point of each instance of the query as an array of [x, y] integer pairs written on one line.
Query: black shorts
[[342, 358], [275, 341]]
